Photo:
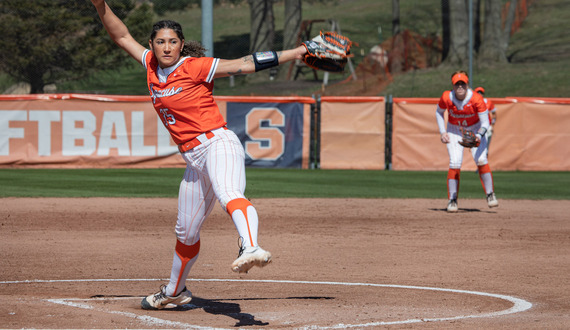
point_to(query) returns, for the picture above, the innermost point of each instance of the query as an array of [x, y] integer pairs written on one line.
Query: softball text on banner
[[69, 131]]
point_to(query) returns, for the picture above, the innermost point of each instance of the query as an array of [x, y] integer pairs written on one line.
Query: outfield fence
[[369, 133]]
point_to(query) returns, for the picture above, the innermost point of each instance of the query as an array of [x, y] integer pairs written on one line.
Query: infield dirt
[[87, 263]]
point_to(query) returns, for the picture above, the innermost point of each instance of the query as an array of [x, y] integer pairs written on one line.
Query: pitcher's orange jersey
[[183, 98], [462, 113]]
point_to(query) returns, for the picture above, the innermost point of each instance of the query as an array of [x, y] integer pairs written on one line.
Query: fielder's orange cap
[[480, 90], [459, 77]]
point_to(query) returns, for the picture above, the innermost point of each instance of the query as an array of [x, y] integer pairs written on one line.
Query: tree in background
[[262, 35], [293, 18], [495, 39], [459, 33], [492, 47], [48, 41], [162, 6], [395, 17]]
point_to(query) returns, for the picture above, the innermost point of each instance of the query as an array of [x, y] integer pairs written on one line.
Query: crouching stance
[[467, 113]]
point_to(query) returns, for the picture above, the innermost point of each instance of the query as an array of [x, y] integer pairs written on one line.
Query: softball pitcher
[[466, 111], [180, 82]]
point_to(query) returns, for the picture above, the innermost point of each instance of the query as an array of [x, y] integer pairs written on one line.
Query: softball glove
[[469, 139], [328, 52]]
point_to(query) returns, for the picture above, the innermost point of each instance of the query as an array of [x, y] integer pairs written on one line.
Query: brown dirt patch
[[87, 262]]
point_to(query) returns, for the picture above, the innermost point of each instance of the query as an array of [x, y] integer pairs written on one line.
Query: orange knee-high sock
[[245, 219], [486, 177], [453, 183], [185, 253]]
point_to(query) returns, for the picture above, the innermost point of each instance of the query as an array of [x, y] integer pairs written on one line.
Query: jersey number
[[168, 118]]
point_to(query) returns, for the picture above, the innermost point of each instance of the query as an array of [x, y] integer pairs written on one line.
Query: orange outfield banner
[[76, 130], [101, 131], [530, 134], [352, 133], [93, 131]]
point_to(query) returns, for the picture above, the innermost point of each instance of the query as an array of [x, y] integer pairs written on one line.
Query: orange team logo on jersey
[[468, 114], [157, 93]]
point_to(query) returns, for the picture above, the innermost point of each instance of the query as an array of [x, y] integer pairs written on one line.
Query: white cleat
[[249, 257], [159, 300], [452, 206], [492, 200]]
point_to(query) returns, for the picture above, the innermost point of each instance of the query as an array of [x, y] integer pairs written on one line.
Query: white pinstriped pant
[[455, 150], [214, 170]]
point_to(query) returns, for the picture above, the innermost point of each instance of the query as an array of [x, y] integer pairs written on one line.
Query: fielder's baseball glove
[[469, 139], [328, 52]]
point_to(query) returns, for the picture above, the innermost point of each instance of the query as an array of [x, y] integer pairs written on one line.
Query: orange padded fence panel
[[99, 131], [531, 134], [352, 133]]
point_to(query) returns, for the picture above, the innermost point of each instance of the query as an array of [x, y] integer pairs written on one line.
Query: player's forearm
[[291, 54], [484, 118], [440, 120], [257, 62]]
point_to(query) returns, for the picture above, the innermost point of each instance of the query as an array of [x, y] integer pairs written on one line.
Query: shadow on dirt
[[231, 309]]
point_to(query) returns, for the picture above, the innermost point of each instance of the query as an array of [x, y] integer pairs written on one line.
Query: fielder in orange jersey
[[466, 110], [180, 82], [492, 115]]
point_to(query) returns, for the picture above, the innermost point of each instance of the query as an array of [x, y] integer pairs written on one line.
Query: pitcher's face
[[166, 46]]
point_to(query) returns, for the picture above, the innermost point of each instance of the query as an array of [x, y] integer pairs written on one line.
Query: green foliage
[[540, 66], [280, 183], [5, 81], [162, 6], [46, 41]]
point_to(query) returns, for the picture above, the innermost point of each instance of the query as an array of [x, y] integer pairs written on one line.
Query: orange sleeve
[[198, 68], [478, 102], [443, 100], [490, 105]]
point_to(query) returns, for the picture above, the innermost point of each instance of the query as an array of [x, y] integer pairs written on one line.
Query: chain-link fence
[[60, 46]]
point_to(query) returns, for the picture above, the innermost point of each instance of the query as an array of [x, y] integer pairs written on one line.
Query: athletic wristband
[[265, 60], [482, 131]]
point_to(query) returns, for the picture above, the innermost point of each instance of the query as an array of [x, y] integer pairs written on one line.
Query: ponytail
[[194, 49]]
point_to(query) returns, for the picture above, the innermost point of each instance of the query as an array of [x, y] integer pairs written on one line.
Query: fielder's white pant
[[479, 154], [455, 150]]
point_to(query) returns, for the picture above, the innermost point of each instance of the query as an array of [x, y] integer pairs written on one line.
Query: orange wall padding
[[531, 134], [352, 133], [99, 131]]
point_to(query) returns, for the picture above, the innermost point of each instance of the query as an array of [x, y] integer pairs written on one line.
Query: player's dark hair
[[191, 48]]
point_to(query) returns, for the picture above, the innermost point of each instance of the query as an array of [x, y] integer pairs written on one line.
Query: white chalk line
[[144, 318], [519, 305]]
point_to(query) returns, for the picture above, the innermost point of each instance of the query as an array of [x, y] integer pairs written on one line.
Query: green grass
[[89, 182], [280, 183]]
